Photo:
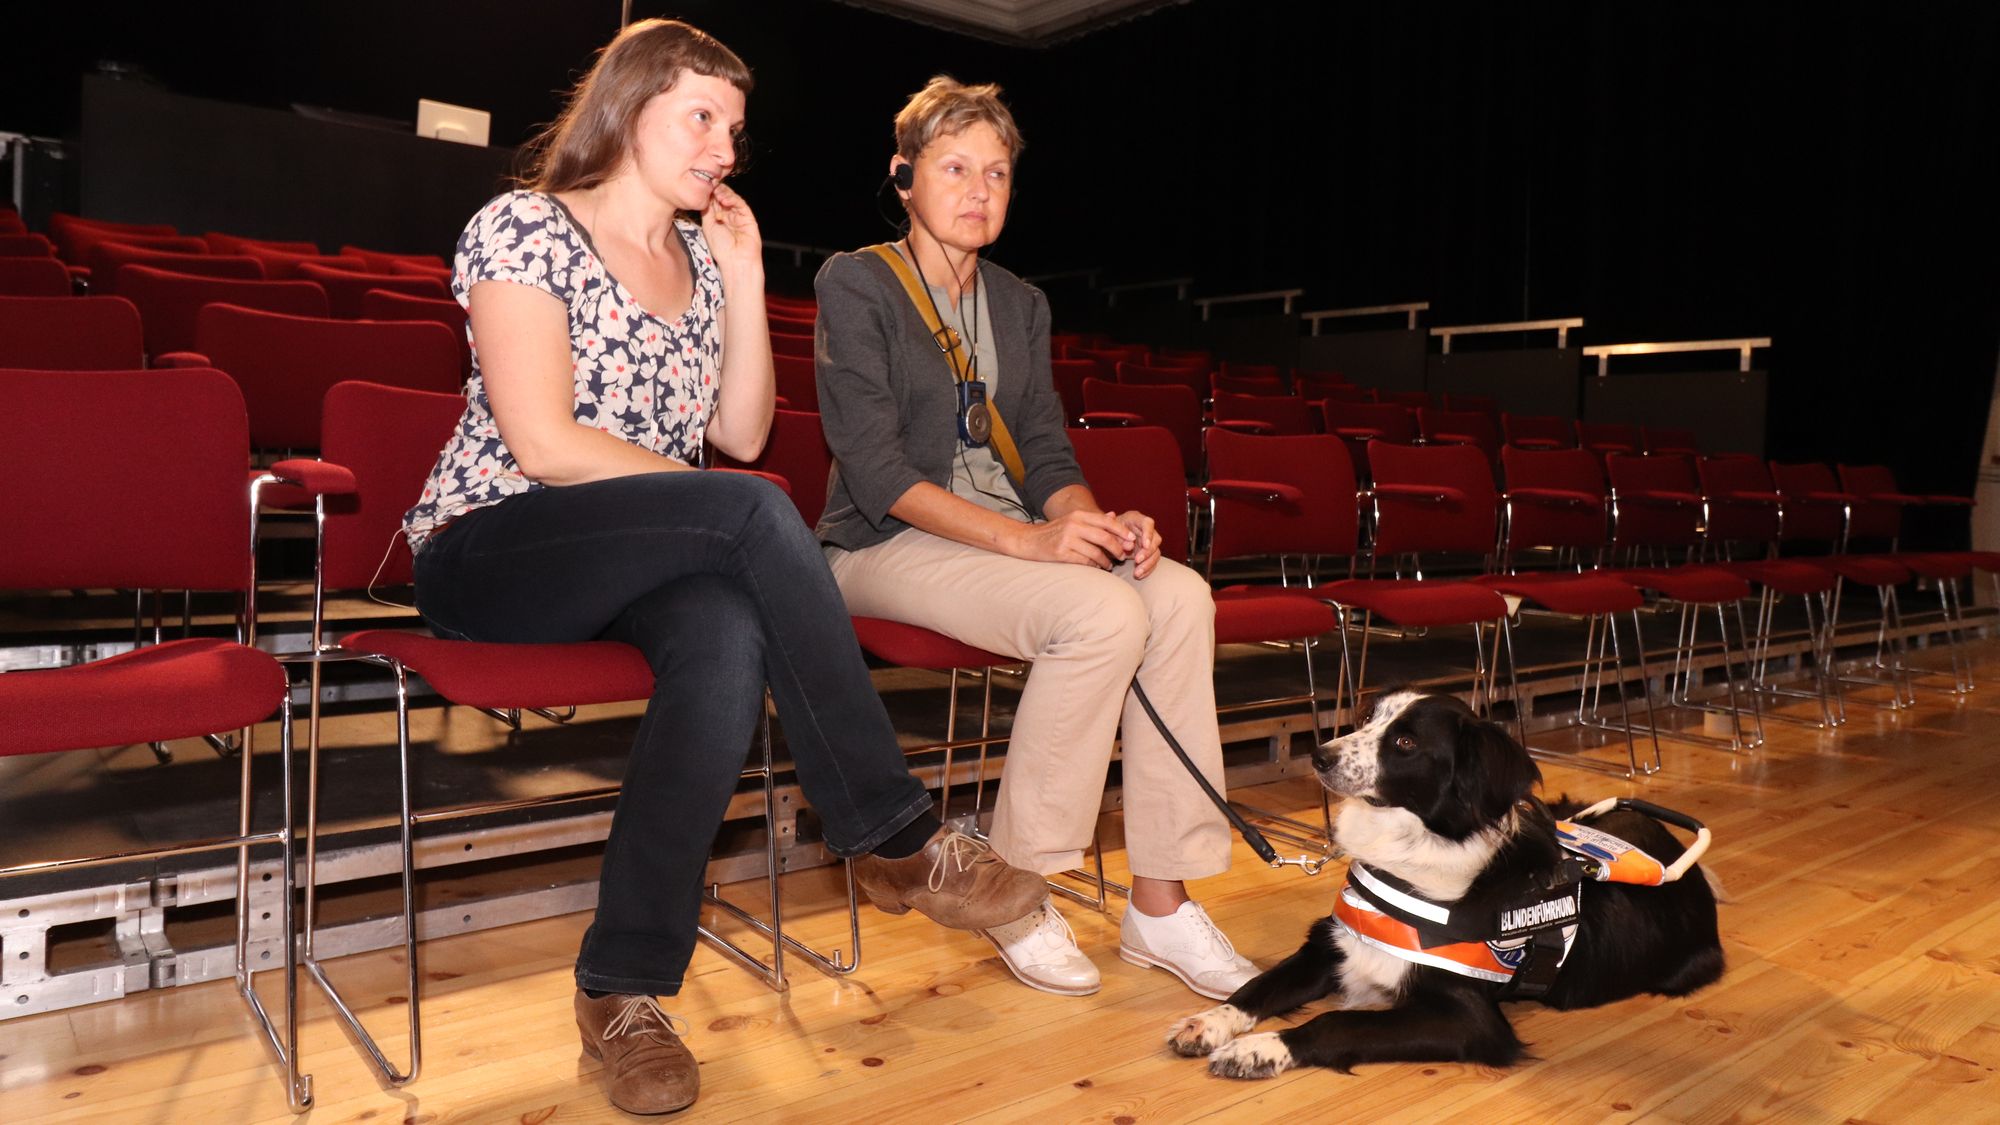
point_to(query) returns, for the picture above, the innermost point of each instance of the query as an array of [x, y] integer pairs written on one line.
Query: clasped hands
[[1099, 539]]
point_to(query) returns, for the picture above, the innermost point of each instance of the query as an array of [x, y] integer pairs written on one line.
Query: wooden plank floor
[[1864, 985]]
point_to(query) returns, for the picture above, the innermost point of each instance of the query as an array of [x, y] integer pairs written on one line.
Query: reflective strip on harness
[[1609, 859], [1398, 939], [1495, 961]]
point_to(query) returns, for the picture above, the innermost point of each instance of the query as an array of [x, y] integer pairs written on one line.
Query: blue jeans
[[715, 578]]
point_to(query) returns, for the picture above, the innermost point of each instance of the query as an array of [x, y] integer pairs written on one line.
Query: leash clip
[[1311, 865]]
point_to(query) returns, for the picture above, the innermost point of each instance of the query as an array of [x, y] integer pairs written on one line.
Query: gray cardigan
[[887, 403]]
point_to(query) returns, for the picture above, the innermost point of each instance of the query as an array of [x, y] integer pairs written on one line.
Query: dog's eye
[[1405, 742]]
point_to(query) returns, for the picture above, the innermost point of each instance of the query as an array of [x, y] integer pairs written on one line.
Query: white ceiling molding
[[1017, 23]]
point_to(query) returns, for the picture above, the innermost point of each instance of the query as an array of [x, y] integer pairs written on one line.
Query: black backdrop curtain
[[1823, 174]]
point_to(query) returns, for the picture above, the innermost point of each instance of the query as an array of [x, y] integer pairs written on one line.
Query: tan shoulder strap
[[953, 348]]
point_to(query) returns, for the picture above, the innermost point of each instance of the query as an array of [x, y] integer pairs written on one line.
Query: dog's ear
[[1492, 772]]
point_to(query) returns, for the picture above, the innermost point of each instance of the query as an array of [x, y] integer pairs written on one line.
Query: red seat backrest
[[169, 302], [1461, 427], [1608, 437], [1323, 522], [1237, 385], [1663, 440], [1815, 521], [390, 437], [1175, 409], [1412, 399], [797, 379], [384, 304], [796, 450], [1537, 431], [1462, 523], [1737, 521], [1364, 422], [1138, 469], [68, 231], [345, 288], [1069, 375], [26, 245], [107, 258], [1284, 414], [283, 265], [219, 243], [785, 343], [1646, 523], [123, 479], [286, 364], [1236, 370], [70, 333], [83, 243], [33, 277], [1155, 375], [383, 261], [1539, 524], [404, 268], [1881, 520]]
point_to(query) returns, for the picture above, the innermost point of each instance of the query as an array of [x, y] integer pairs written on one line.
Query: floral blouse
[[637, 375]]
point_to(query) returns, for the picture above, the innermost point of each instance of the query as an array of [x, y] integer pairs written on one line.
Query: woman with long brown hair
[[566, 507]]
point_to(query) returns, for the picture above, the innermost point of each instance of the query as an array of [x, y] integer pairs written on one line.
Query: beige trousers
[[1087, 631]]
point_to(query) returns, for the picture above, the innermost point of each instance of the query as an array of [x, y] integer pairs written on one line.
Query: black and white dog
[[1439, 800]]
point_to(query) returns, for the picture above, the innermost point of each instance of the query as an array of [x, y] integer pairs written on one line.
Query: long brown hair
[[589, 140]]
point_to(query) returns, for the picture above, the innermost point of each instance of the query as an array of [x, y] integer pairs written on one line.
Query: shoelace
[[963, 851], [1049, 933], [639, 1011], [1214, 933]]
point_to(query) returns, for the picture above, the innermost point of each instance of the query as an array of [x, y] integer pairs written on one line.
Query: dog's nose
[[1322, 757]]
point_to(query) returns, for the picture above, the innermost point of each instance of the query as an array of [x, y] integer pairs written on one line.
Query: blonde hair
[[946, 107], [588, 141]]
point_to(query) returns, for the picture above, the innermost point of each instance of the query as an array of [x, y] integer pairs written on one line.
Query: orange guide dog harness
[[1525, 942]]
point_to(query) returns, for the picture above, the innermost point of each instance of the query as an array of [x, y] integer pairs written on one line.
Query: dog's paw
[[1253, 1056], [1201, 1034]]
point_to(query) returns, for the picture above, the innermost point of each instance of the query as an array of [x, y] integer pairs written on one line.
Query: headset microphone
[[905, 176]]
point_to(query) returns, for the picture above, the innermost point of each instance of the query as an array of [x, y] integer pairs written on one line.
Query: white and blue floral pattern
[[638, 376]]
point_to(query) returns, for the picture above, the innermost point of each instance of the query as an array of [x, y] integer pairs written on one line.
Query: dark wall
[[1823, 174]]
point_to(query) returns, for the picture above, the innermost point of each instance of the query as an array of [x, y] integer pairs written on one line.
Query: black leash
[[1309, 864]]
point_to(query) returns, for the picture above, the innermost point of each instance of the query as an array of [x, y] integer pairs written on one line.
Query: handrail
[[1089, 275], [1741, 345], [799, 250], [1287, 295], [1561, 325], [1413, 308], [18, 145], [1178, 284]]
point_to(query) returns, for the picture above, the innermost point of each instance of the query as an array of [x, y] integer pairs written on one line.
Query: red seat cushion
[[912, 646], [1864, 569], [505, 676], [1414, 602], [1984, 560], [180, 689], [1586, 594], [1783, 575], [1248, 614], [1946, 566], [1702, 585]]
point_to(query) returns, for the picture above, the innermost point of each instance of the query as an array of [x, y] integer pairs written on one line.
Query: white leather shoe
[[1041, 949], [1187, 944]]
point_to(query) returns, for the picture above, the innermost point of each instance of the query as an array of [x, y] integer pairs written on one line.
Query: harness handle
[[1688, 858]]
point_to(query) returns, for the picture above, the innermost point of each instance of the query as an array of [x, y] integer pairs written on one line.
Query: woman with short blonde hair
[[956, 504]]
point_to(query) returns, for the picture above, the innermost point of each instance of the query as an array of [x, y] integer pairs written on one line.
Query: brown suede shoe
[[650, 1069], [956, 881]]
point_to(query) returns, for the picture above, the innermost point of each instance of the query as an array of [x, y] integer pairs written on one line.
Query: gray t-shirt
[[977, 473]]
